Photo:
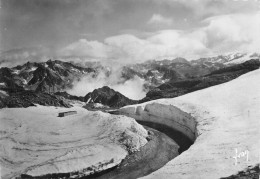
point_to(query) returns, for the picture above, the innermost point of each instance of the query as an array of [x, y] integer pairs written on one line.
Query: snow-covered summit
[[228, 58], [238, 58]]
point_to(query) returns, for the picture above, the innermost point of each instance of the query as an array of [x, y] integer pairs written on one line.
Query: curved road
[[155, 154]]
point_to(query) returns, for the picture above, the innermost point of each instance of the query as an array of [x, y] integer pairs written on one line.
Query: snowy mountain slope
[[34, 141], [177, 88], [243, 58], [226, 59], [223, 119]]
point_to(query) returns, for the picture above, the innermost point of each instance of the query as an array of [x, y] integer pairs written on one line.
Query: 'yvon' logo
[[244, 154]]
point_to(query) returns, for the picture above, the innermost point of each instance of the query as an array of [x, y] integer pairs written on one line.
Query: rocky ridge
[[163, 79]]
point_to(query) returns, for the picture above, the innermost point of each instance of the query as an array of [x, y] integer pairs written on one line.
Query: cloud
[[87, 48], [235, 32], [132, 88], [218, 35], [128, 48], [158, 19], [16, 57], [55, 23], [206, 8]]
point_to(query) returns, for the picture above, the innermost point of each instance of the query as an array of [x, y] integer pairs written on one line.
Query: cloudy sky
[[127, 30]]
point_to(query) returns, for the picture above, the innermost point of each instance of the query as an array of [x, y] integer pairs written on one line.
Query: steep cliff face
[[223, 119]]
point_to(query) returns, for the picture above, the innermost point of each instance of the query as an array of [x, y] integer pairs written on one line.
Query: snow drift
[[223, 119], [34, 141]]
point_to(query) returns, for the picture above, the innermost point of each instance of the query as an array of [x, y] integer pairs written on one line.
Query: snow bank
[[227, 123], [168, 115], [36, 142]]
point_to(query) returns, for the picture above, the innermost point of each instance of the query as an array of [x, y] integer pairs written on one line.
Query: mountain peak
[[180, 60], [109, 97]]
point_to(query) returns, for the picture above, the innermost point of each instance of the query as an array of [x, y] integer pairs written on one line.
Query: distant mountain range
[[30, 83], [174, 88], [159, 72], [50, 76]]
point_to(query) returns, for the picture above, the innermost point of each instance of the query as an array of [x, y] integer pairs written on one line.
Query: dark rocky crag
[[66, 95], [31, 98], [252, 172], [108, 97], [36, 83]]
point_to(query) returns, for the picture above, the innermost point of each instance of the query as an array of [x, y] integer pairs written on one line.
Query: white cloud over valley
[[132, 88]]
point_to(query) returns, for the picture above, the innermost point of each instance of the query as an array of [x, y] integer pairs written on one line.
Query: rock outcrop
[[109, 97], [24, 99]]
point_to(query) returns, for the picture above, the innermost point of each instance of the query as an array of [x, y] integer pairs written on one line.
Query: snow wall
[[168, 115]]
